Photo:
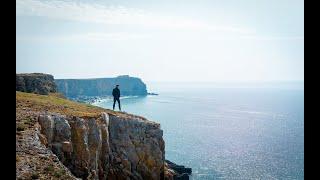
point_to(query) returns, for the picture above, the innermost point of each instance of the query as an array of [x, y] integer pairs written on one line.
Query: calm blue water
[[228, 133]]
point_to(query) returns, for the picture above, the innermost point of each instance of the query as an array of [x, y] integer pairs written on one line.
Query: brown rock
[[67, 146], [108, 147], [43, 139]]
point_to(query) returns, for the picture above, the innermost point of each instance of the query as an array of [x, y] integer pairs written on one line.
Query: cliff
[[35, 83], [72, 88], [106, 147], [60, 139]]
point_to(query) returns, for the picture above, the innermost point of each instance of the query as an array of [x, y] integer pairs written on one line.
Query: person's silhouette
[[116, 96]]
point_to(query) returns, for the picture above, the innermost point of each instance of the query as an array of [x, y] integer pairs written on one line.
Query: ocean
[[228, 131]]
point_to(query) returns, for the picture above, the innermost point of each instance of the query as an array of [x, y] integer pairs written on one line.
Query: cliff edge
[[60, 139], [57, 138], [91, 142]]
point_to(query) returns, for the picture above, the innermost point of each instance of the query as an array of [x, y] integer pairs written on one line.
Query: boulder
[[178, 172], [47, 126]]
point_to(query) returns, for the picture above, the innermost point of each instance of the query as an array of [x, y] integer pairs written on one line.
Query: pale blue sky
[[199, 40]]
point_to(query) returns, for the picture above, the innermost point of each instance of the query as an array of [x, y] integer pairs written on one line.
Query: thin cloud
[[272, 38], [115, 15], [91, 36]]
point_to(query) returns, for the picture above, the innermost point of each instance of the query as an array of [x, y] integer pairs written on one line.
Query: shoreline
[[97, 99]]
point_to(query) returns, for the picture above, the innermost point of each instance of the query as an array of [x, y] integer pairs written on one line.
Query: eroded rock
[[108, 147], [133, 140]]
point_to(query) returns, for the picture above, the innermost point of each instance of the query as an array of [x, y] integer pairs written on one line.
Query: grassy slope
[[58, 104]]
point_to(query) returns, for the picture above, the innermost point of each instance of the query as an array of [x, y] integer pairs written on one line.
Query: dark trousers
[[114, 102]]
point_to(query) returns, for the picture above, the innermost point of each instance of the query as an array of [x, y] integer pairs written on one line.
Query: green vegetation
[[35, 176], [49, 168], [59, 173], [28, 121], [20, 126], [55, 103]]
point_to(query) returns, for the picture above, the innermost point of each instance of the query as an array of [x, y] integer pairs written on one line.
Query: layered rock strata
[[106, 147]]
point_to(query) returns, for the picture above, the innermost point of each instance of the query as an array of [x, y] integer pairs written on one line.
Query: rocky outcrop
[[74, 88], [137, 147], [35, 83], [33, 159], [177, 172], [107, 147]]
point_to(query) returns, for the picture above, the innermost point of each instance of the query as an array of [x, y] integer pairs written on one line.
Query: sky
[[171, 41]]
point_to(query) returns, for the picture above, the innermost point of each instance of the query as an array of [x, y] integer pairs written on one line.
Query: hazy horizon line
[[176, 81]]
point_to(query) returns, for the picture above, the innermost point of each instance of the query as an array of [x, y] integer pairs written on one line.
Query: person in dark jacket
[[116, 96]]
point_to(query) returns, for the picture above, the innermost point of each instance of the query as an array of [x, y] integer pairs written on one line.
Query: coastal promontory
[[57, 138], [73, 88]]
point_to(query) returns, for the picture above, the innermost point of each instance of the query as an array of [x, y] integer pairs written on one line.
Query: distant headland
[[73, 88]]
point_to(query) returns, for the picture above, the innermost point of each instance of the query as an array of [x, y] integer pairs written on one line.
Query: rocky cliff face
[[107, 147], [35, 83], [73, 88], [61, 139]]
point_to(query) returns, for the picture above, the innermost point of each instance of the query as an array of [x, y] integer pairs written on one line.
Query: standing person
[[116, 96]]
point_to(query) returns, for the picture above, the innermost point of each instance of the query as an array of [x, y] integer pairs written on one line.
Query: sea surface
[[228, 131]]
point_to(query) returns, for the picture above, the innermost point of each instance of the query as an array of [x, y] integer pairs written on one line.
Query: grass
[[21, 127], [28, 121], [49, 168], [59, 173], [35, 176], [53, 103], [58, 104]]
